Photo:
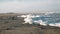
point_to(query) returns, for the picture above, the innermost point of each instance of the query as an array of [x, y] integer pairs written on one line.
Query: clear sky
[[29, 6]]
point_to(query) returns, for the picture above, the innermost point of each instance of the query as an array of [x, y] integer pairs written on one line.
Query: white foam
[[36, 22], [29, 20], [51, 24], [45, 23], [37, 16], [55, 24], [23, 16], [40, 22]]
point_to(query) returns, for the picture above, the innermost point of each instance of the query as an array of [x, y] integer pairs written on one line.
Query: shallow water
[[53, 20]]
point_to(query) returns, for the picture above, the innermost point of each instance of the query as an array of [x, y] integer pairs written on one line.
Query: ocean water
[[48, 19], [52, 19]]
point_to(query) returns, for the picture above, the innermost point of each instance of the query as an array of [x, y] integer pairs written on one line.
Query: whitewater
[[42, 20]]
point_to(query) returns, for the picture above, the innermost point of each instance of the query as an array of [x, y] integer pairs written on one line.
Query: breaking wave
[[51, 19], [47, 21]]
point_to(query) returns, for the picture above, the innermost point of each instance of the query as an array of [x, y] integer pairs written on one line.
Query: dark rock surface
[[15, 26]]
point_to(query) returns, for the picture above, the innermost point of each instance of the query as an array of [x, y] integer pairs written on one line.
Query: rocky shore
[[15, 26]]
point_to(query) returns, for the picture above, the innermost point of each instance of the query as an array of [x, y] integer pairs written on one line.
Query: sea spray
[[42, 20]]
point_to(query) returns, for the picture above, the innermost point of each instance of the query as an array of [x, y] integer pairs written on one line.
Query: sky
[[29, 6]]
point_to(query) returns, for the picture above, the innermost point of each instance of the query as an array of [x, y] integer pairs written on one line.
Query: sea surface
[[51, 19]]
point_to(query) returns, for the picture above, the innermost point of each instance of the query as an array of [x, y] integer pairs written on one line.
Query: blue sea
[[51, 18]]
